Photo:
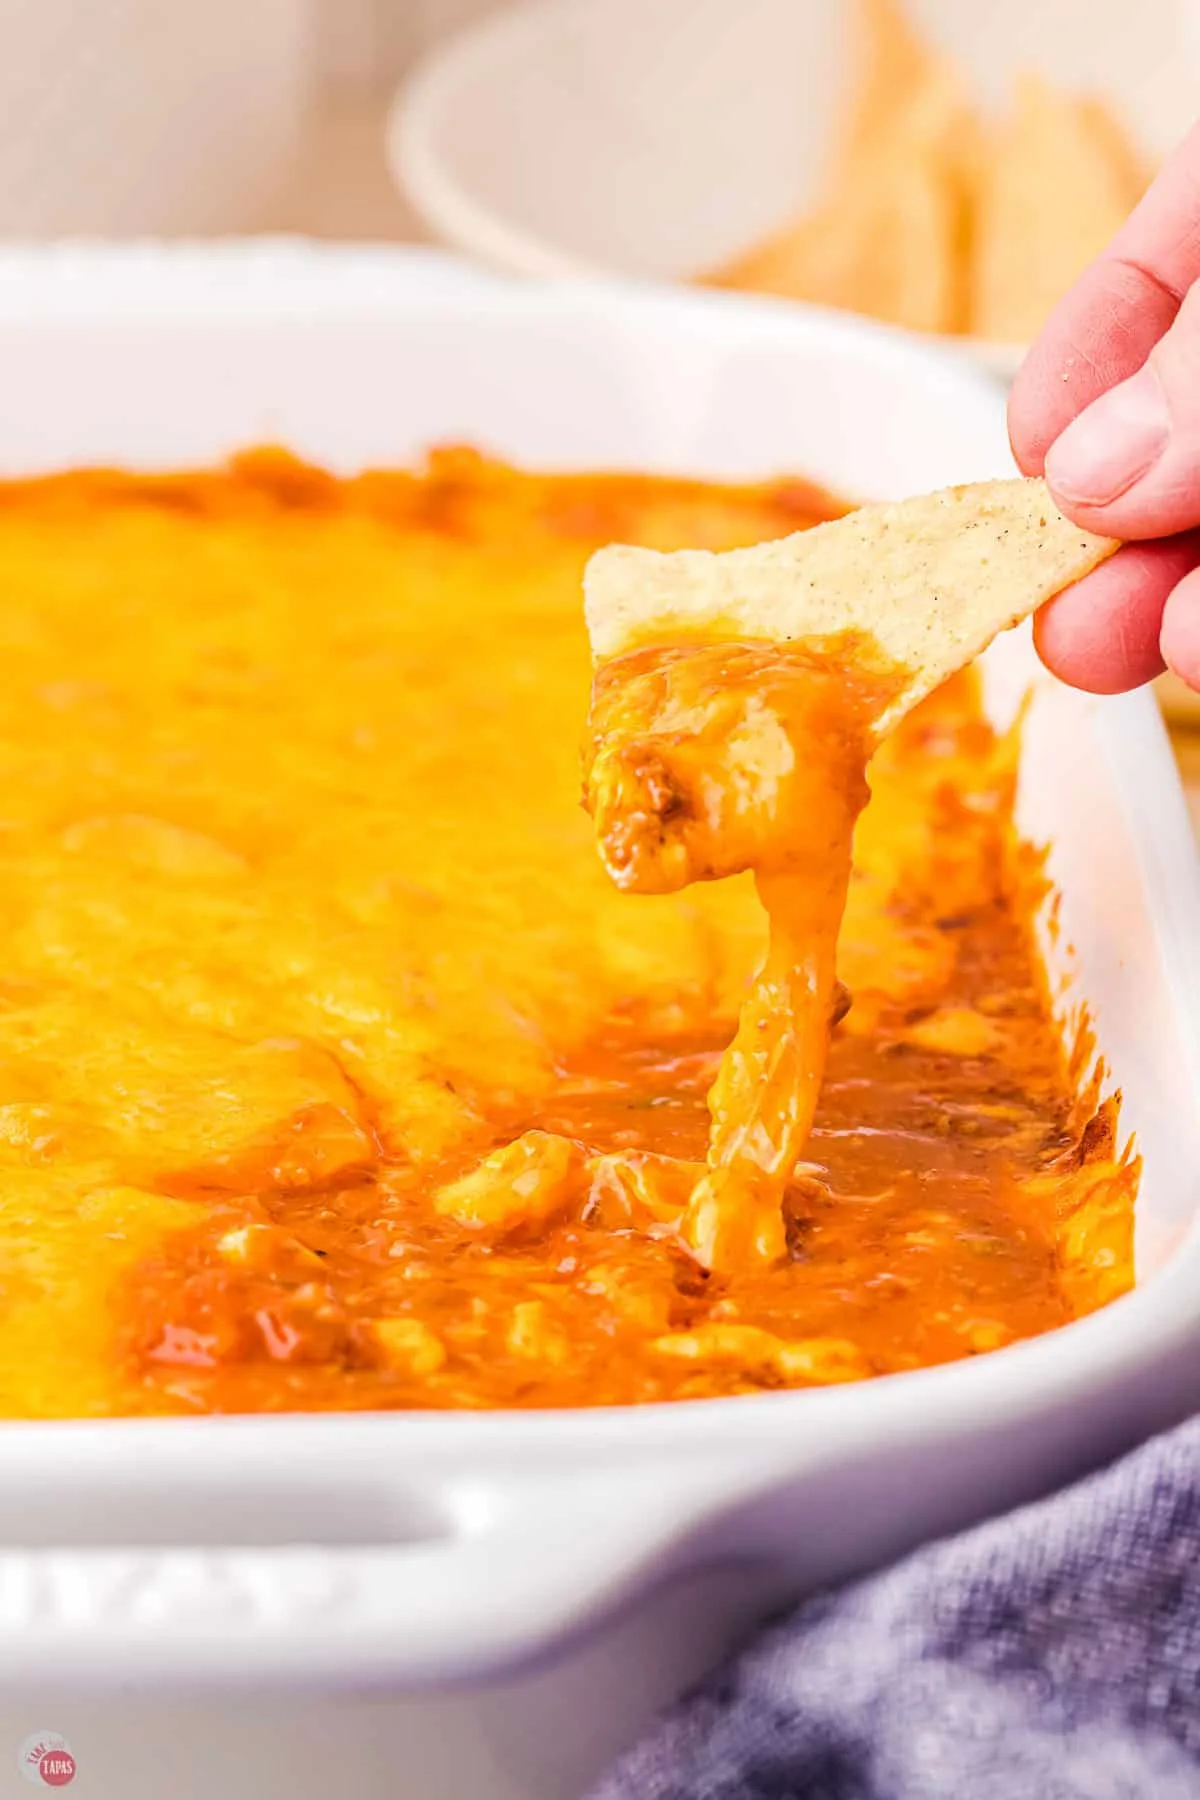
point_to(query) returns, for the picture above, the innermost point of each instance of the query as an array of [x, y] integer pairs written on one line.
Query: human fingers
[[1180, 639], [1129, 465], [1103, 634]]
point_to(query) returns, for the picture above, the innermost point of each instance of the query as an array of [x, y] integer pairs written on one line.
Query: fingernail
[[1113, 442]]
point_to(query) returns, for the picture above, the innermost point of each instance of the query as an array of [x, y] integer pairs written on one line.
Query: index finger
[[1110, 320]]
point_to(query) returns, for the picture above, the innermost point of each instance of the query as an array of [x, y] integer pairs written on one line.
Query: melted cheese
[[709, 759], [334, 1071]]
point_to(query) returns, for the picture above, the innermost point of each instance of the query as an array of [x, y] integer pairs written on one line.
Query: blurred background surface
[[361, 51], [170, 117]]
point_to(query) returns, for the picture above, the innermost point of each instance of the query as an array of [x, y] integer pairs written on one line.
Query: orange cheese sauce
[[708, 759], [334, 1070]]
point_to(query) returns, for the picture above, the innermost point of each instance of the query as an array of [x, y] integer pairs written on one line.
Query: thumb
[[1129, 465]]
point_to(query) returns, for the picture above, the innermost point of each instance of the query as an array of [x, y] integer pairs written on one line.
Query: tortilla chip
[[932, 581], [927, 220], [893, 66], [1129, 167], [889, 236], [1058, 180], [889, 244], [861, 259]]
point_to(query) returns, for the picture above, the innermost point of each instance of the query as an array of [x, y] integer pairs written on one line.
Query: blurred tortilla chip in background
[[1058, 179], [887, 237], [938, 218]]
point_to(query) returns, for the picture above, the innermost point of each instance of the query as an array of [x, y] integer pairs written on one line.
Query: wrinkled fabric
[[1050, 1655]]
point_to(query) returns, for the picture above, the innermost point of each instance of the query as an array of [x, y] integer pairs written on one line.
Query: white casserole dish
[[463, 1606]]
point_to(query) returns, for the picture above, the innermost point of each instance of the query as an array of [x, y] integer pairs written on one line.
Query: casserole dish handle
[[490, 1581]]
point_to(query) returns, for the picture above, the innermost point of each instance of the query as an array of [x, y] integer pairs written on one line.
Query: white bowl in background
[[657, 138], [458, 1606]]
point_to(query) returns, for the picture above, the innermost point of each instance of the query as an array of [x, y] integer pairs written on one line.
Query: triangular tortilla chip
[[889, 247], [891, 63], [932, 581], [1057, 182], [888, 234]]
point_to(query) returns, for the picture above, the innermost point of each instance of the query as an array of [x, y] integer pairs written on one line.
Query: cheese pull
[[737, 700]]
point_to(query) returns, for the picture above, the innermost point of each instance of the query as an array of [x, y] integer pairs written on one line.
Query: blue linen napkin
[[1050, 1655]]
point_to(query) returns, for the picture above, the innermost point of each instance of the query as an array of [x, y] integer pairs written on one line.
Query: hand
[[1107, 406]]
